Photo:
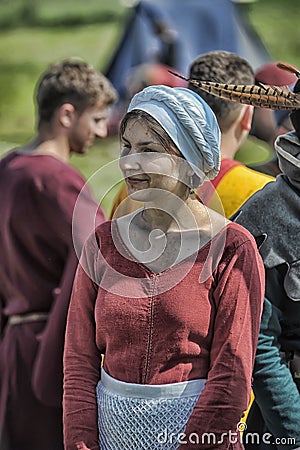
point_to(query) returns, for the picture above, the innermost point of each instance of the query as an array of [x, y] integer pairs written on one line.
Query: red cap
[[271, 74]]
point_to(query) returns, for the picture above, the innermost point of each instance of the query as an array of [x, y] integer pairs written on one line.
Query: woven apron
[[144, 417]]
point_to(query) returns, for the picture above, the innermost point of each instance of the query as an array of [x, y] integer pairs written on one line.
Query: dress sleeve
[[238, 296], [275, 391], [82, 359]]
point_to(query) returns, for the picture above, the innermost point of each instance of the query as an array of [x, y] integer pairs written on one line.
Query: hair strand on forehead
[[154, 127]]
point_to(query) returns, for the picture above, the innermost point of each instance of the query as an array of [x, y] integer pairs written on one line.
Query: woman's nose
[[131, 161]]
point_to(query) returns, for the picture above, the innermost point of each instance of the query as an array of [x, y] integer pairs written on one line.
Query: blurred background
[[35, 33]]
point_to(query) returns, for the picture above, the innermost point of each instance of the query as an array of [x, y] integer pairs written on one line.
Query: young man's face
[[90, 123]]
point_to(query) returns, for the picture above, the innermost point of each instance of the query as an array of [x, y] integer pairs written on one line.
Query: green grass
[[277, 22], [24, 54], [56, 13]]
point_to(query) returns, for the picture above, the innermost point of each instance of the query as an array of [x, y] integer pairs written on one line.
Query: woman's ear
[[194, 180]]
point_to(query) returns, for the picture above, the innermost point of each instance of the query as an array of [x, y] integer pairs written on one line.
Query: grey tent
[[174, 32]]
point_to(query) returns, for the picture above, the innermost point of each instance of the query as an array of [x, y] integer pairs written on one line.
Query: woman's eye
[[125, 149], [149, 150]]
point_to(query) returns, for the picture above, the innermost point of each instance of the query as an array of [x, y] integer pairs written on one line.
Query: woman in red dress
[[170, 294]]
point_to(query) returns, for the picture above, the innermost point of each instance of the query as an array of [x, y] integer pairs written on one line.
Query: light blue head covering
[[189, 122]]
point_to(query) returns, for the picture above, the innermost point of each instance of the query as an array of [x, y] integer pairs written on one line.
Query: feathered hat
[[262, 95]]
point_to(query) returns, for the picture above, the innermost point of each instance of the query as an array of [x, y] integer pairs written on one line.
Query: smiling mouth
[[134, 180]]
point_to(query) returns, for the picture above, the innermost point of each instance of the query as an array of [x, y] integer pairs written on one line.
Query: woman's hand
[[81, 446]]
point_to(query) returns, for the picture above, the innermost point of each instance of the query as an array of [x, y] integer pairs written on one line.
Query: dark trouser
[[253, 435], [28, 423], [24, 432], [4, 441]]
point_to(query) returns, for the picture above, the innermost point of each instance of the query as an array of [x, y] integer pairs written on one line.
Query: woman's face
[[150, 171]]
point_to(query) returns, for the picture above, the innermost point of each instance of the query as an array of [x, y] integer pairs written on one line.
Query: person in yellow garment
[[235, 182]]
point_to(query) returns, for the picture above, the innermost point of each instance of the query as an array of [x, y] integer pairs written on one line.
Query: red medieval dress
[[198, 319]]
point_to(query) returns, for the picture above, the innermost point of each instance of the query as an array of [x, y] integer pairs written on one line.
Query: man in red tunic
[[38, 192]]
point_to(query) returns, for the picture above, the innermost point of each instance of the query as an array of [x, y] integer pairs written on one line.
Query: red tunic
[[37, 267], [165, 328]]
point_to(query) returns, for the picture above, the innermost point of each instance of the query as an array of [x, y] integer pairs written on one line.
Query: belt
[[153, 391], [17, 319]]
